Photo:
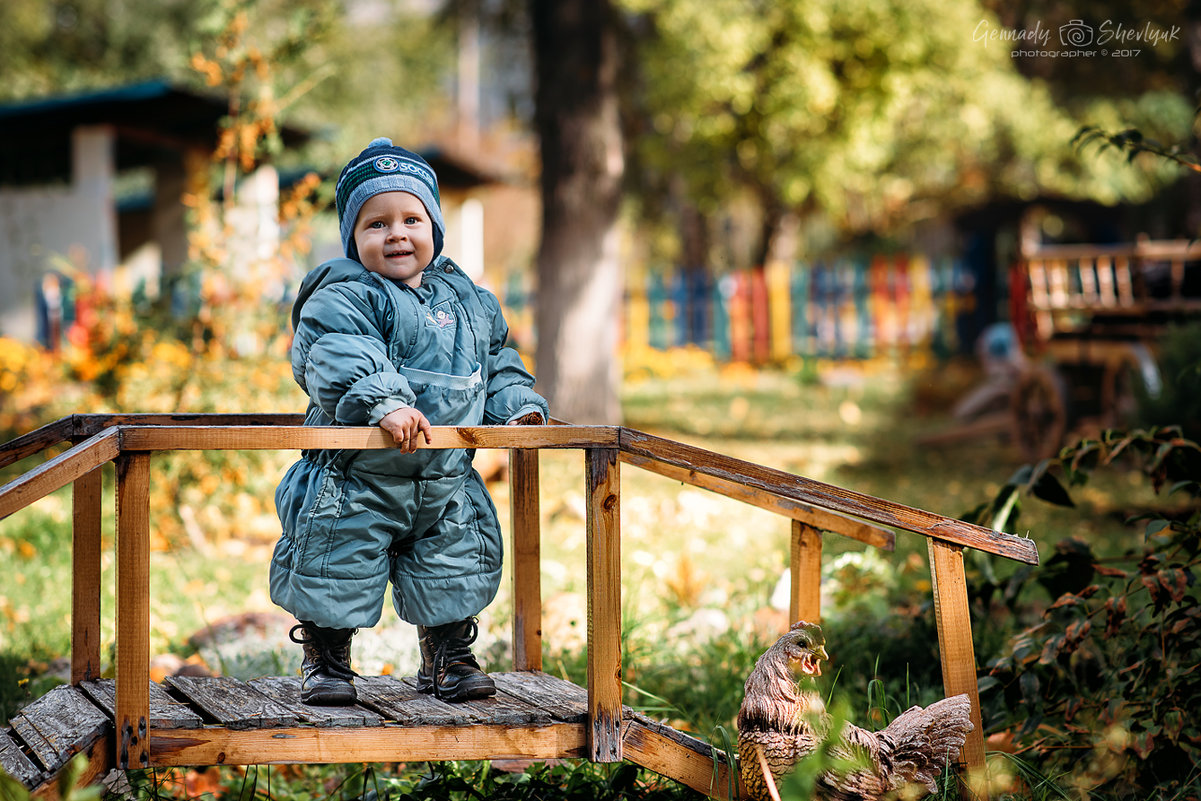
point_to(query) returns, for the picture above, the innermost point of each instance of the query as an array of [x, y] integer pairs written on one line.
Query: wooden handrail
[[828, 496], [59, 471]]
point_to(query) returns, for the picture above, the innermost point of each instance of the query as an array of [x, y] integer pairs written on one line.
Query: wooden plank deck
[[219, 720]]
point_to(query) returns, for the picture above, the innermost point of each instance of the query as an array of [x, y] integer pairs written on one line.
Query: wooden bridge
[[132, 722]]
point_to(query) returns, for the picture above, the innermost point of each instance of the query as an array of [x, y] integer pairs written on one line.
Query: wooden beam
[[602, 474], [59, 472], [526, 559], [828, 496], [817, 518], [36, 441], [956, 651], [249, 438], [805, 565], [389, 743], [85, 577], [133, 611], [88, 424], [673, 754]]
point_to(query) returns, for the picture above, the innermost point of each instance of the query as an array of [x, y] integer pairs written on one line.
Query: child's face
[[395, 237]]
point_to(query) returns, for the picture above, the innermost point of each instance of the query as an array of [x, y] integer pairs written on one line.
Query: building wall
[[67, 228]]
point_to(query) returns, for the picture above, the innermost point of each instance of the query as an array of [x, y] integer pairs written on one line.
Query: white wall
[[63, 227]]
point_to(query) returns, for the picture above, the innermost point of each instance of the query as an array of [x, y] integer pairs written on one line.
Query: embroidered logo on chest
[[440, 318]]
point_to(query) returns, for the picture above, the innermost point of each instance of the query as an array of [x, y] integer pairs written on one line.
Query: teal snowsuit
[[366, 346]]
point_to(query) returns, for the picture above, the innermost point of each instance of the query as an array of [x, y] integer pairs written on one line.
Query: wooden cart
[[1092, 322]]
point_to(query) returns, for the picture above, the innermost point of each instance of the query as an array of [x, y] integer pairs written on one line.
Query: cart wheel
[[1039, 403]]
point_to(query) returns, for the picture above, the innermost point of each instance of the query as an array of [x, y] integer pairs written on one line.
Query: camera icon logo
[[1076, 34]]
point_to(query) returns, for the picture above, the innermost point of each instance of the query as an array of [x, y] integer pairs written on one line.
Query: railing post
[[133, 610], [604, 604], [806, 567], [85, 577], [526, 559], [956, 651]]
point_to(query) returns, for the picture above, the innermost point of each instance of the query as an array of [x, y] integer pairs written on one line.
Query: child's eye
[[377, 224], [412, 220]]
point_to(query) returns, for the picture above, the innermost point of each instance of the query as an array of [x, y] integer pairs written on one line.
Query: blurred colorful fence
[[900, 305]]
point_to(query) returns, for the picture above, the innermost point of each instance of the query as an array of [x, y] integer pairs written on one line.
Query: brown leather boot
[[326, 677], [448, 668]]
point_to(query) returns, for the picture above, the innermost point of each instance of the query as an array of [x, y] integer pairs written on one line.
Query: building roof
[[150, 119]]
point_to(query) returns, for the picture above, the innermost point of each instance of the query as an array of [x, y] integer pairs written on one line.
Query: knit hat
[[383, 167]]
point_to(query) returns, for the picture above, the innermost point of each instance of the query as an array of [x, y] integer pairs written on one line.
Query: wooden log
[[36, 441], [956, 651], [14, 762], [604, 604], [59, 471], [59, 725], [658, 747], [85, 577], [167, 438], [285, 691], [805, 566], [827, 496], [133, 610], [390, 743], [526, 559], [818, 518], [231, 703], [166, 712]]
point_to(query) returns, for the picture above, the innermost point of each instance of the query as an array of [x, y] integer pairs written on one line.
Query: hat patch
[[387, 164]]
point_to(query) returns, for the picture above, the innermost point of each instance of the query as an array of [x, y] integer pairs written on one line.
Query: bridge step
[[220, 720]]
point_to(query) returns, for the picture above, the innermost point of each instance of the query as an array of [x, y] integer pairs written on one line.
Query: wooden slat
[[59, 725], [285, 691], [165, 711], [955, 649], [764, 499], [828, 496], [58, 472], [133, 609], [526, 559], [602, 476], [85, 577], [564, 700], [36, 441], [15, 763], [249, 438], [805, 567], [231, 703], [398, 700], [89, 424], [390, 743], [671, 753]]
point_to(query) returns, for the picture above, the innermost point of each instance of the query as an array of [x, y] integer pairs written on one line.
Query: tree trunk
[[579, 276]]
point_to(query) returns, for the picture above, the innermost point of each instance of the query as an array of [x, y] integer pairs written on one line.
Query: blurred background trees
[[724, 133]]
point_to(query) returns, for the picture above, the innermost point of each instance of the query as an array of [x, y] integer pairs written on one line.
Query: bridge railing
[[128, 440]]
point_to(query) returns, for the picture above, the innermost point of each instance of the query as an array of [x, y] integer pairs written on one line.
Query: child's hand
[[403, 425], [531, 419]]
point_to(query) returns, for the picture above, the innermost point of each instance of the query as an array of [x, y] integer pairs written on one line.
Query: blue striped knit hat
[[383, 167]]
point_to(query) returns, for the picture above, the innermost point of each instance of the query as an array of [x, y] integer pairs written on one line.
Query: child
[[397, 336]]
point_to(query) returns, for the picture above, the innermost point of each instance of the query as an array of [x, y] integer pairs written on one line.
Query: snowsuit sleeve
[[509, 392], [339, 357]]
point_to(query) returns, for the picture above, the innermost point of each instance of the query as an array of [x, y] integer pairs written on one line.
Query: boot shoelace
[[334, 658], [454, 650]]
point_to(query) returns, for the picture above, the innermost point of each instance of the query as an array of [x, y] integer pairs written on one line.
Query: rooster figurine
[[781, 722]]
